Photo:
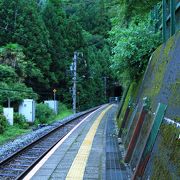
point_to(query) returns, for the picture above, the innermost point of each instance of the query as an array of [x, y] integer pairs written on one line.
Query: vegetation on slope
[[41, 37], [21, 127], [163, 161]]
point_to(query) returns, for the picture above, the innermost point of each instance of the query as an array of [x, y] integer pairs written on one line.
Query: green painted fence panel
[[159, 116], [144, 158]]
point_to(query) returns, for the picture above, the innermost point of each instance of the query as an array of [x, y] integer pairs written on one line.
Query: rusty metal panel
[[144, 157]]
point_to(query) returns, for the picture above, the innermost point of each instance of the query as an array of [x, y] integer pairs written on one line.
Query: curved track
[[20, 163]]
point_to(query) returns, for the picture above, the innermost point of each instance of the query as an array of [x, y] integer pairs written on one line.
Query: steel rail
[[39, 140]]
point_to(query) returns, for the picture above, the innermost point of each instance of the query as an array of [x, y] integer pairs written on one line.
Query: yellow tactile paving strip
[[76, 171], [40, 164]]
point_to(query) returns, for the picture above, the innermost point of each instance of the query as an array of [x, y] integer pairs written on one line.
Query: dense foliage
[[3, 124], [43, 113], [132, 50], [133, 8], [20, 120], [13, 71], [38, 39], [133, 38]]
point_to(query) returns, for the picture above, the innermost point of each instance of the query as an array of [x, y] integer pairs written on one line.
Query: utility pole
[[74, 80], [105, 87], [9, 102]]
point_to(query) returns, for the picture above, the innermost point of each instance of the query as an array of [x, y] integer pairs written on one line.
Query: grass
[[12, 132], [64, 112], [132, 92], [168, 154]]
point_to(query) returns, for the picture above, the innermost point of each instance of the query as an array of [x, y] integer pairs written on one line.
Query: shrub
[[20, 120], [43, 113], [1, 109], [62, 107], [132, 49], [3, 124]]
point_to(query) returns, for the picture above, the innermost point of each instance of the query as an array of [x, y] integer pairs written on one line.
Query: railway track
[[20, 163]]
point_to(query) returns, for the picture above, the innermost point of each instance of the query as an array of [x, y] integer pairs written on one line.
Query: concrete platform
[[90, 151]]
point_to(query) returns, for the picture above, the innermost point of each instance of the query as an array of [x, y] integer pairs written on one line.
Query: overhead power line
[[17, 90], [5, 89]]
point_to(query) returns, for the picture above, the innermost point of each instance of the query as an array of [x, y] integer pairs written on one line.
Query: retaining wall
[[161, 84]]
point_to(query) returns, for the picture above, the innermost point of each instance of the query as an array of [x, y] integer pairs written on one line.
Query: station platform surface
[[90, 151]]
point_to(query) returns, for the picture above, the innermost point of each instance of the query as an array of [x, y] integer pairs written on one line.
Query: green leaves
[[13, 56], [43, 113], [15, 91], [7, 73], [22, 24], [13, 71], [137, 7], [132, 48], [20, 121], [38, 39], [3, 124]]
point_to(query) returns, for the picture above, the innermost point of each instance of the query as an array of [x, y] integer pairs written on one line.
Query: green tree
[[133, 43], [38, 39], [55, 21], [13, 70], [65, 37], [21, 23]]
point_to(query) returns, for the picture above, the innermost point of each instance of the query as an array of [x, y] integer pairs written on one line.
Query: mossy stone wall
[[162, 84], [162, 80], [164, 162]]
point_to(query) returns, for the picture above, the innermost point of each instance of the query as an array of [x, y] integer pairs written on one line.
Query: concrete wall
[[161, 83], [162, 80]]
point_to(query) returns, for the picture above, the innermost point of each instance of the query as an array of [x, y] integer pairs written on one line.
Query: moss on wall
[[158, 68], [177, 119], [160, 170], [162, 84], [174, 99], [131, 95], [125, 105], [166, 163]]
